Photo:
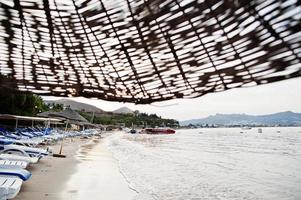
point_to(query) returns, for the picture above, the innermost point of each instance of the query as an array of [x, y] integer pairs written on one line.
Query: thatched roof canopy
[[146, 50], [70, 114], [46, 114], [65, 114], [29, 118]]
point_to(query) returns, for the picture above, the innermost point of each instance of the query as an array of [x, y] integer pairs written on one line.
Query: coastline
[[97, 176], [88, 170], [49, 176]]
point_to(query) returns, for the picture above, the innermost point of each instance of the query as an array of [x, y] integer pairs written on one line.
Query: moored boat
[[133, 131], [159, 131], [246, 128]]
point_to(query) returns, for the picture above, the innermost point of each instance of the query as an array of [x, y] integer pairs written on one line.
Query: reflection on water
[[212, 163], [97, 176]]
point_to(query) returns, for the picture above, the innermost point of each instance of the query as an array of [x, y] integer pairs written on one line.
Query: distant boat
[[246, 128], [159, 131], [133, 131]]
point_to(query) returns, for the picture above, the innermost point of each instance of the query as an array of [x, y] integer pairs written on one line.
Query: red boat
[[159, 131]]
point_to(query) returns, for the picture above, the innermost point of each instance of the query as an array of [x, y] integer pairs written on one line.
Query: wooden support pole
[[16, 122]]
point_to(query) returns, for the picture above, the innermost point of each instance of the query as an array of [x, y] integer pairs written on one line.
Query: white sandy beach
[[88, 172], [97, 176]]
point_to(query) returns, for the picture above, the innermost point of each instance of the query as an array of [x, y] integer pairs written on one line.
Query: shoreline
[[50, 174], [98, 176], [88, 162]]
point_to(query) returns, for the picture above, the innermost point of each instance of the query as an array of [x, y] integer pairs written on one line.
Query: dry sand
[[88, 172]]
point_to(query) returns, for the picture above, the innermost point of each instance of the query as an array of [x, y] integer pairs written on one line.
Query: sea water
[[216, 163]]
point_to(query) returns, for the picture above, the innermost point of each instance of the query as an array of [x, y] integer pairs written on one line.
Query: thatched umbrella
[[150, 50], [46, 114], [69, 114]]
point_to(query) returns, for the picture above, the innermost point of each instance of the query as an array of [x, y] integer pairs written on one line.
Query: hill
[[74, 105], [287, 118], [123, 110]]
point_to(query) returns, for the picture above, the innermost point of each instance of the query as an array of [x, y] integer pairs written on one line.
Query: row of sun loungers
[[21, 148]]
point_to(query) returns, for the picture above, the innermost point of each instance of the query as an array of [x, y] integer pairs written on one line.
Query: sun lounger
[[28, 137], [5, 141], [18, 149], [27, 143], [18, 172], [11, 181], [13, 164], [12, 135], [19, 158], [9, 187]]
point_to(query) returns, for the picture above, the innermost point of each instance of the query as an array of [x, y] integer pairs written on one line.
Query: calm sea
[[220, 163]]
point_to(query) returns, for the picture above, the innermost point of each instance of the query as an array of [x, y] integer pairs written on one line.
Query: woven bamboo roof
[[66, 114], [144, 51]]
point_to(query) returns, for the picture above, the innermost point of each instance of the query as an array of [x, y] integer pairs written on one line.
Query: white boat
[[246, 128]]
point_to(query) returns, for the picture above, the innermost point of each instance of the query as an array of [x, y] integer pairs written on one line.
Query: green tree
[[21, 104], [140, 119], [57, 107]]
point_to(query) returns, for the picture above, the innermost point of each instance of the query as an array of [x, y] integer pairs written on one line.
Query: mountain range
[[287, 118], [78, 106], [74, 105]]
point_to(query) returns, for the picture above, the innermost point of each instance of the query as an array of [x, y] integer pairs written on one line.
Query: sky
[[264, 99]]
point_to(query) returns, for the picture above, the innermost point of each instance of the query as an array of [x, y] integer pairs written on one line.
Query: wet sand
[[89, 171], [97, 177]]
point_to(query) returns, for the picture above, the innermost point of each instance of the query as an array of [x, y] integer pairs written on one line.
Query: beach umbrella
[[46, 114], [69, 114]]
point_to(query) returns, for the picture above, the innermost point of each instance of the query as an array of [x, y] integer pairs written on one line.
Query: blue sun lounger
[[5, 163], [11, 181], [9, 187], [6, 146], [17, 172]]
